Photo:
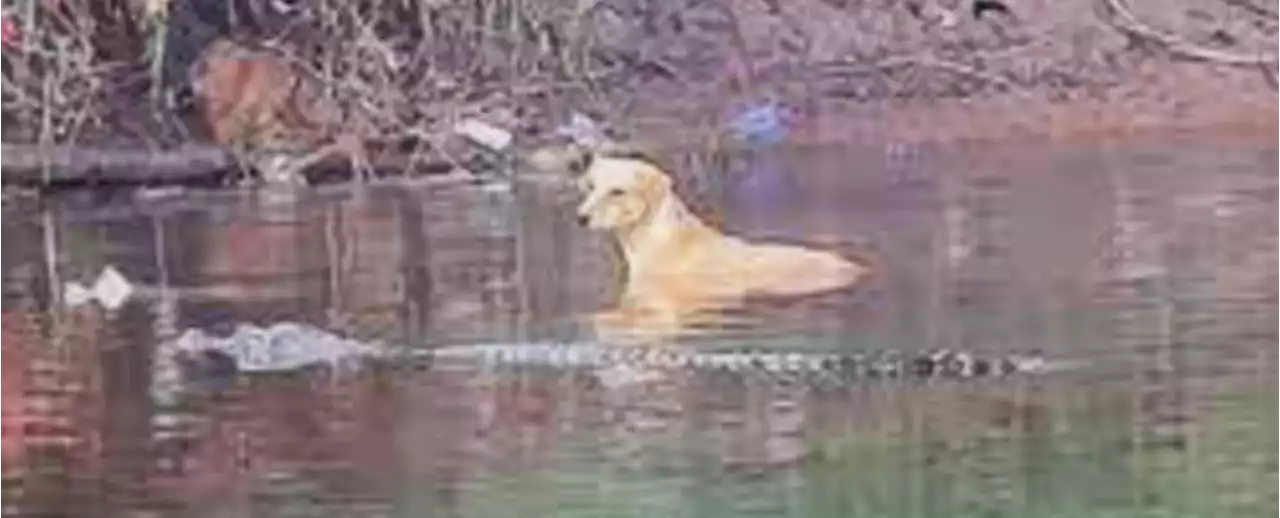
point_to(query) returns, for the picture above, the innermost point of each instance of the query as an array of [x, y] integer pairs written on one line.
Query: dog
[[251, 98], [679, 268], [247, 94]]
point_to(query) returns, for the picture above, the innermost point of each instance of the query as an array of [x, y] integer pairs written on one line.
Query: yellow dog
[[678, 266]]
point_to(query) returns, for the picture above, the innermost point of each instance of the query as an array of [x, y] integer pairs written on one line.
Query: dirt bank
[[926, 70], [674, 69]]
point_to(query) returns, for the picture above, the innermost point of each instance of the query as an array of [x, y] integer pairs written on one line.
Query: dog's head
[[620, 190]]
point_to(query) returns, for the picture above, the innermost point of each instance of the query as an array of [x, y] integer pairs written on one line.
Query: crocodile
[[290, 346]]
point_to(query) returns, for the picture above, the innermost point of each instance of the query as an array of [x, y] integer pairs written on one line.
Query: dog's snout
[[583, 220]]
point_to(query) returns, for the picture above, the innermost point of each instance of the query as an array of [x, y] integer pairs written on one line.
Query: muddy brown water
[[1152, 263]]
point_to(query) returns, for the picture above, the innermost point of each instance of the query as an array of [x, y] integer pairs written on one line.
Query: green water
[[1151, 267]]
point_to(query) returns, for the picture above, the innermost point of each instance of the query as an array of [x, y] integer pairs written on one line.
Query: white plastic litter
[[485, 134], [111, 290]]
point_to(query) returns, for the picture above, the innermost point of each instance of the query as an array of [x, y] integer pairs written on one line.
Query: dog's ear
[[654, 183]]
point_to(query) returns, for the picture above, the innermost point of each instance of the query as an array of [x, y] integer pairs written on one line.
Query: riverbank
[[912, 71]]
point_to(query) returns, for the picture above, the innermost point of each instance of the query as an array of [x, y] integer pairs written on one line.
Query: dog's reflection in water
[[682, 273]]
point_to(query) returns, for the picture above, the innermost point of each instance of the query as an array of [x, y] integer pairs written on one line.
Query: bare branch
[[1122, 18], [1254, 8]]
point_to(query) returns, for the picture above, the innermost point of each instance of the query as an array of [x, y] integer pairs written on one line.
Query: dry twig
[[1122, 17]]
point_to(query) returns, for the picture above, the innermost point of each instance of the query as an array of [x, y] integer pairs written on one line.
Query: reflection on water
[[1153, 263]]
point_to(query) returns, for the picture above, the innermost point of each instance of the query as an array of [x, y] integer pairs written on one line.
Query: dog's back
[[782, 269], [702, 267]]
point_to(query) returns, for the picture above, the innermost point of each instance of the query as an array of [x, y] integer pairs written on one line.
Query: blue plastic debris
[[762, 123]]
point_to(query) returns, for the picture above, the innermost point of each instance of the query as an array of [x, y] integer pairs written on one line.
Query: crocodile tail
[[924, 365], [960, 364]]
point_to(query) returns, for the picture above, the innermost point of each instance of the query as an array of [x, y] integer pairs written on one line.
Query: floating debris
[[485, 134], [111, 290], [762, 123]]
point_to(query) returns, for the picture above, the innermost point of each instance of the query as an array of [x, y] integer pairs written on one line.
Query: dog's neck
[[646, 242]]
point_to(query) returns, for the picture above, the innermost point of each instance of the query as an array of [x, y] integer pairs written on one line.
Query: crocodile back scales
[[840, 365], [289, 346]]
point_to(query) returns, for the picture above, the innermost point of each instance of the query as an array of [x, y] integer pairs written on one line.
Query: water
[[1150, 263]]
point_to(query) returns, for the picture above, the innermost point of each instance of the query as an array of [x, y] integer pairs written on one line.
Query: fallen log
[[40, 166], [29, 164]]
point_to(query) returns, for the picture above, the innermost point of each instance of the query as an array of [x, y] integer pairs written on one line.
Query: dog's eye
[[616, 192]]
